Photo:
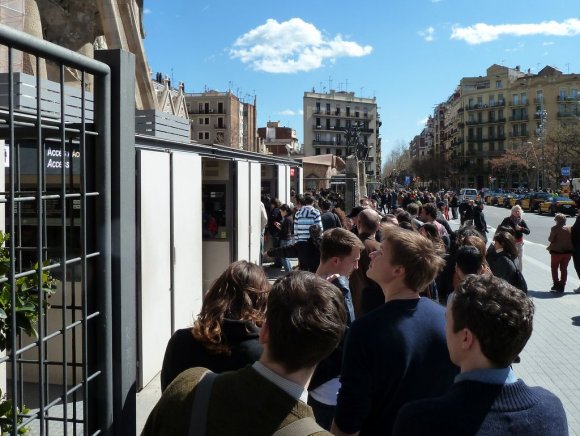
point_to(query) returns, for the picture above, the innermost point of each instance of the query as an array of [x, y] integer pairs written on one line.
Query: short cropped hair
[[308, 199], [413, 208], [306, 320], [430, 209], [369, 221], [338, 242], [497, 313], [416, 254], [469, 259]]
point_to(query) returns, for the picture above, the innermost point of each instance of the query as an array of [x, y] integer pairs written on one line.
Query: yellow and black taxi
[[554, 205], [532, 200], [501, 199], [515, 199]]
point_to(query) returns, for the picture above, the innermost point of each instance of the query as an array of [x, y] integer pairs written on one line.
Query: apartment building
[[329, 116], [503, 110], [221, 118], [278, 140]]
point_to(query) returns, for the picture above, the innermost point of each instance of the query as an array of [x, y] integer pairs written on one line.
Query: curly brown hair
[[240, 293]]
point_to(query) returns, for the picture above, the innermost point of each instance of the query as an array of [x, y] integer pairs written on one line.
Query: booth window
[[214, 214]]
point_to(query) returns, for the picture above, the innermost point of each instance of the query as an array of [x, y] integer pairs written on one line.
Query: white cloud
[[422, 122], [301, 112], [481, 32], [287, 112], [436, 1], [146, 11], [547, 43], [428, 34], [292, 46]]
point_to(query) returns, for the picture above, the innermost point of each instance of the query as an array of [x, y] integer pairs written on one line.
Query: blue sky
[[409, 54]]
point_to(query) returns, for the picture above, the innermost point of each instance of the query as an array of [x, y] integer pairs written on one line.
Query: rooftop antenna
[[340, 86], [361, 90], [329, 82], [321, 87], [346, 85], [568, 68], [229, 86]]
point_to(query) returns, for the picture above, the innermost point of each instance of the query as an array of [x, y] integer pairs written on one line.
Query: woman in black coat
[[501, 256], [225, 336]]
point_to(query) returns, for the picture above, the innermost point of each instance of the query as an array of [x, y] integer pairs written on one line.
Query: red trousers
[[560, 260]]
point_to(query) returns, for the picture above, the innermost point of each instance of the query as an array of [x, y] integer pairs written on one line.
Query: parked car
[[468, 194], [515, 199], [501, 199], [554, 205], [533, 200]]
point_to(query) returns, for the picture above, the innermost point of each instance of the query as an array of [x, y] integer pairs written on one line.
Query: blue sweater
[[394, 354], [476, 408]]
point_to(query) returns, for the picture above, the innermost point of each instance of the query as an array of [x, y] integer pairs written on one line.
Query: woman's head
[[240, 293], [517, 211], [506, 242], [285, 209]]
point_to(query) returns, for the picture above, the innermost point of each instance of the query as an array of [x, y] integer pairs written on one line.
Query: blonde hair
[[517, 207]]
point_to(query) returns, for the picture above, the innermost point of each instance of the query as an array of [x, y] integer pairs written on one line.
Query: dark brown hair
[[240, 293], [498, 314], [306, 320], [338, 242]]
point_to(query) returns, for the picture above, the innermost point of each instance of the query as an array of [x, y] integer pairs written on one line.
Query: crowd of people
[[392, 323]]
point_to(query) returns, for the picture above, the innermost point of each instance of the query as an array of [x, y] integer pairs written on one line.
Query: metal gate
[[55, 265]]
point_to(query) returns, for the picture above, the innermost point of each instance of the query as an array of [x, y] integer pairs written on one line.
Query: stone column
[[352, 193]]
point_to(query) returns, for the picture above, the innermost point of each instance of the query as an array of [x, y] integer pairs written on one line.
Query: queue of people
[[392, 323]]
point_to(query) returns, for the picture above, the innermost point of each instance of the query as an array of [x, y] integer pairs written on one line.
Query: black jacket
[[479, 220], [519, 234], [307, 252], [184, 351]]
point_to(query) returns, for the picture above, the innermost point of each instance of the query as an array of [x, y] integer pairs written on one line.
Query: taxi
[[554, 205], [515, 199], [535, 199], [501, 198]]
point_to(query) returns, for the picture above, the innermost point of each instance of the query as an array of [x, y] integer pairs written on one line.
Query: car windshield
[[561, 199]]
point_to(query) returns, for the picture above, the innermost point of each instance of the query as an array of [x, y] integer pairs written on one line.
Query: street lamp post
[[542, 115]]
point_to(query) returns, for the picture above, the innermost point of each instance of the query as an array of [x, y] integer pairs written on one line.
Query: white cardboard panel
[[187, 239], [255, 220], [243, 205], [154, 313], [283, 183]]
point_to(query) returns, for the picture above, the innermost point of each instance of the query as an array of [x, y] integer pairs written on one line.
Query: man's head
[[560, 219], [324, 205], [308, 200], [369, 221], [340, 251], [305, 320], [428, 212], [487, 316], [468, 261], [405, 257], [413, 208]]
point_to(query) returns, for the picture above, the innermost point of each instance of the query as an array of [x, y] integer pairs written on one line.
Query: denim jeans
[[285, 260]]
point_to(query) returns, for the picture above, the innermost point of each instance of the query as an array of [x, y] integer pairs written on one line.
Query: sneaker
[[555, 287], [577, 291]]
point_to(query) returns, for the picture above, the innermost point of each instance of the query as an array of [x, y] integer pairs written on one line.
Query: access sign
[[565, 171]]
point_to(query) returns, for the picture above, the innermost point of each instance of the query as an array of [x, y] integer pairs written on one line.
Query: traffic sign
[[565, 171]]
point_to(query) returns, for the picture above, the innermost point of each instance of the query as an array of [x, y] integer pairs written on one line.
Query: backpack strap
[[198, 421], [303, 426]]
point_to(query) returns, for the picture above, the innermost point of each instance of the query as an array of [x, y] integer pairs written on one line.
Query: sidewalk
[[551, 358]]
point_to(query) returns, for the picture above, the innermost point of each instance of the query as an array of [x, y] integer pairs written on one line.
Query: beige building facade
[[329, 116], [221, 118], [504, 110]]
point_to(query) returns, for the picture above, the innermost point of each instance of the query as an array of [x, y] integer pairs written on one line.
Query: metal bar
[[25, 42], [84, 275], [104, 389], [12, 251], [63, 244]]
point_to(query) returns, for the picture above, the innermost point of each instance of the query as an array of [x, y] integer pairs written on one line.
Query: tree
[[561, 149], [505, 165]]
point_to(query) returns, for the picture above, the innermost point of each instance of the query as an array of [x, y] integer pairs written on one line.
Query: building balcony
[[207, 112], [319, 142], [219, 126], [519, 135], [518, 119], [496, 138], [561, 98], [474, 122], [573, 114], [519, 103]]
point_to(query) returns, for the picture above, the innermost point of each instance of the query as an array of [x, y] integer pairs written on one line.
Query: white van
[[467, 194]]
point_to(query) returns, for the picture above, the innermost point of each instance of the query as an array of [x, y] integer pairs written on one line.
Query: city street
[[551, 358]]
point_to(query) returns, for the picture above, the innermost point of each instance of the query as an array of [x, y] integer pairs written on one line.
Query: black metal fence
[[55, 266]]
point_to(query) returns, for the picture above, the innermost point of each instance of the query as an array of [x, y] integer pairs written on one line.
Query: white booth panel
[[300, 175], [154, 311], [283, 183], [243, 206], [187, 238], [255, 214]]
